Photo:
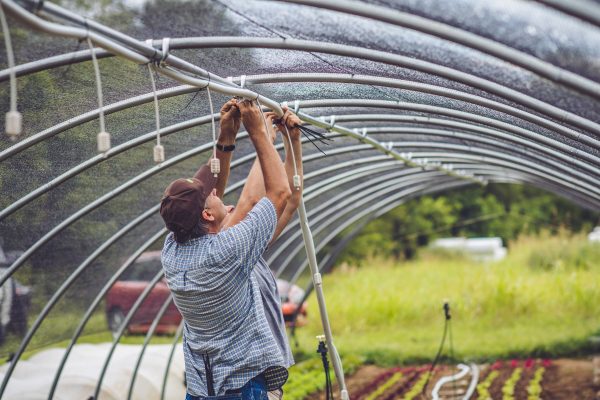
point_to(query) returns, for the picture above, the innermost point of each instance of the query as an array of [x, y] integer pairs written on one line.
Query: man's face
[[214, 207]]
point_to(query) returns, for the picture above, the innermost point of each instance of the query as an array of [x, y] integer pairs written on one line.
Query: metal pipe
[[582, 9], [357, 79], [68, 31], [397, 60], [110, 45], [198, 121], [321, 214], [454, 124], [149, 334], [170, 360], [86, 316], [318, 283], [460, 36]]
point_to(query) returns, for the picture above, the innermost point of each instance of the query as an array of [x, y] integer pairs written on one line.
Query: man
[[253, 190], [208, 261]]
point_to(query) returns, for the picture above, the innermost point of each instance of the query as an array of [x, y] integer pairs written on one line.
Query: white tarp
[[32, 378]]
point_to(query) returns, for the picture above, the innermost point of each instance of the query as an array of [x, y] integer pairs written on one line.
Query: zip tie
[[165, 49], [103, 136], [332, 121], [215, 163], [296, 179], [364, 132], [263, 117], [296, 106], [242, 81], [159, 150], [14, 119], [150, 42]]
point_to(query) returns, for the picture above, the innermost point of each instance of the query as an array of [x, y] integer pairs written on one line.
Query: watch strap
[[226, 149]]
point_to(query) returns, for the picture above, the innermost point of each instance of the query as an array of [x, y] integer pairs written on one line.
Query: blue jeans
[[254, 389]]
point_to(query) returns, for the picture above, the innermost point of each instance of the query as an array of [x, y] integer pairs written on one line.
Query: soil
[[564, 379]]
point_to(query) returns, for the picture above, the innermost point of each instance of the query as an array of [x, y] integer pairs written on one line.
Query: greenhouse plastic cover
[[418, 96]]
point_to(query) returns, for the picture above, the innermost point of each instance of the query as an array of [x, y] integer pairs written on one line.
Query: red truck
[[125, 292]]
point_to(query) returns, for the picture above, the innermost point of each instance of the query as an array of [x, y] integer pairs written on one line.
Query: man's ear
[[207, 215]]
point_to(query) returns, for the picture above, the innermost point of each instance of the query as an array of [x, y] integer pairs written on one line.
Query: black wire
[[66, 71], [250, 19], [317, 135], [437, 357], [311, 141]]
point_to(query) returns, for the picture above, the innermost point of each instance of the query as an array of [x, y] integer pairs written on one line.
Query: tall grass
[[542, 300]]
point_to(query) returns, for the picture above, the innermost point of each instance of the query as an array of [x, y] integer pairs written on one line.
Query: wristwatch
[[226, 149]]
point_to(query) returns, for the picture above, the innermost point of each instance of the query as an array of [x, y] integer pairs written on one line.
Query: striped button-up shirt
[[218, 295]]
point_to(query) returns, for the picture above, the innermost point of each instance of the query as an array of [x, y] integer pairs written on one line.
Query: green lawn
[[542, 300]]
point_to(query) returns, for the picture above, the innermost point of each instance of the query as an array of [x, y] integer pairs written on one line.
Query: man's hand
[[289, 120], [252, 118], [230, 122]]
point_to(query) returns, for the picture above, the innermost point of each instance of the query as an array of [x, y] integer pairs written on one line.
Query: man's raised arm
[[274, 176], [229, 127]]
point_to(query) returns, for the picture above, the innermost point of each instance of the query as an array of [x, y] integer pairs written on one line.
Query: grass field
[[542, 300]]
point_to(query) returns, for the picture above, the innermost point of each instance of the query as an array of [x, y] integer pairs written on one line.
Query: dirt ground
[[564, 379]]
